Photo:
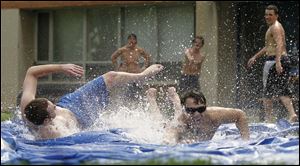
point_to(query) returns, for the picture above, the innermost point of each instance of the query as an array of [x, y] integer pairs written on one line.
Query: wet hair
[[200, 38], [132, 35], [198, 96], [36, 111], [272, 7]]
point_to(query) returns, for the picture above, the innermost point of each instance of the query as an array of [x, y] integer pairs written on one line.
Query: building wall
[[26, 46], [9, 57], [215, 22], [227, 54], [206, 26]]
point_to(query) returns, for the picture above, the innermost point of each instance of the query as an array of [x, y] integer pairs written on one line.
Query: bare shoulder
[[215, 109], [140, 49], [202, 56], [276, 27], [221, 111], [122, 49], [187, 50], [224, 115], [64, 110]]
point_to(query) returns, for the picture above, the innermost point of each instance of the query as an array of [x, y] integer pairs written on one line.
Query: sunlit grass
[[5, 116]]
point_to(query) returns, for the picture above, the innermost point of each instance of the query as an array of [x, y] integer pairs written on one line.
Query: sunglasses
[[198, 109]]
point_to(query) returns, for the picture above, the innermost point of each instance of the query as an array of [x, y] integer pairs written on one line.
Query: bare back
[[275, 30], [64, 124]]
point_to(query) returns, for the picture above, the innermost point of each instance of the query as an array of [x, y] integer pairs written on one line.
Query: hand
[[251, 61], [279, 68], [72, 69]]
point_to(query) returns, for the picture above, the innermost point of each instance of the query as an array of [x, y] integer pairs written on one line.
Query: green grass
[[5, 116], [170, 162], [157, 162]]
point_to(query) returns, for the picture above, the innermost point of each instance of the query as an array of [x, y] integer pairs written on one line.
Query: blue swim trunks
[[87, 101], [188, 83]]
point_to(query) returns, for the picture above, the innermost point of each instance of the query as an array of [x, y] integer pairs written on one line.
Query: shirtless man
[[130, 55], [193, 121], [74, 110], [276, 68], [191, 68]]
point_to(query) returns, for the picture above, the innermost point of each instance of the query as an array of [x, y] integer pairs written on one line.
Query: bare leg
[[151, 97], [268, 106], [172, 131], [287, 102], [113, 78], [175, 99]]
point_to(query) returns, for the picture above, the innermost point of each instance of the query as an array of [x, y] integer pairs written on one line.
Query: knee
[[241, 113], [109, 78]]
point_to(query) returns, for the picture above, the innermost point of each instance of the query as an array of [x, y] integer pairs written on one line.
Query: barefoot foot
[[173, 96], [152, 70], [151, 93]]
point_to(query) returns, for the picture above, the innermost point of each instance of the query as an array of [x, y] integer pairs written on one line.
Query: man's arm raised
[[34, 72]]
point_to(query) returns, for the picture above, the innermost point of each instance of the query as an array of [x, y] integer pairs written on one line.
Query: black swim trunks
[[277, 84]]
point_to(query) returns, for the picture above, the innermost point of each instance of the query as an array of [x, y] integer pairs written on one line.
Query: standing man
[[276, 68], [130, 55], [191, 67]]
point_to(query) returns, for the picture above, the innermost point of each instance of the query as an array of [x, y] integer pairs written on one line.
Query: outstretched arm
[[230, 115], [34, 72]]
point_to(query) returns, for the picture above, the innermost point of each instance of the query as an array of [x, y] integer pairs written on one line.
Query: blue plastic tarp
[[269, 143]]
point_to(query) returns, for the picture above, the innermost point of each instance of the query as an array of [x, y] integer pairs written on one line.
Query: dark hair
[[272, 7], [36, 111], [132, 35], [198, 96], [200, 38]]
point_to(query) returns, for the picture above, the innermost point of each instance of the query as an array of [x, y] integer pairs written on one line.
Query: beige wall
[[16, 53], [206, 26], [227, 57], [9, 57], [26, 46], [215, 22]]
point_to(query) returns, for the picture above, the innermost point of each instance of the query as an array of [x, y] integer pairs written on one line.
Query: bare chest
[[201, 129], [130, 55]]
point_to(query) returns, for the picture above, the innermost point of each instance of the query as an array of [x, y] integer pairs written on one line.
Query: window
[[89, 36]]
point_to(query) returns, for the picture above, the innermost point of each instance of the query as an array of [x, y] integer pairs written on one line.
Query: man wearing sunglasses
[[193, 121]]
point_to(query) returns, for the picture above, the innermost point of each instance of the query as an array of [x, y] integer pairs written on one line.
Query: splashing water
[[141, 125]]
